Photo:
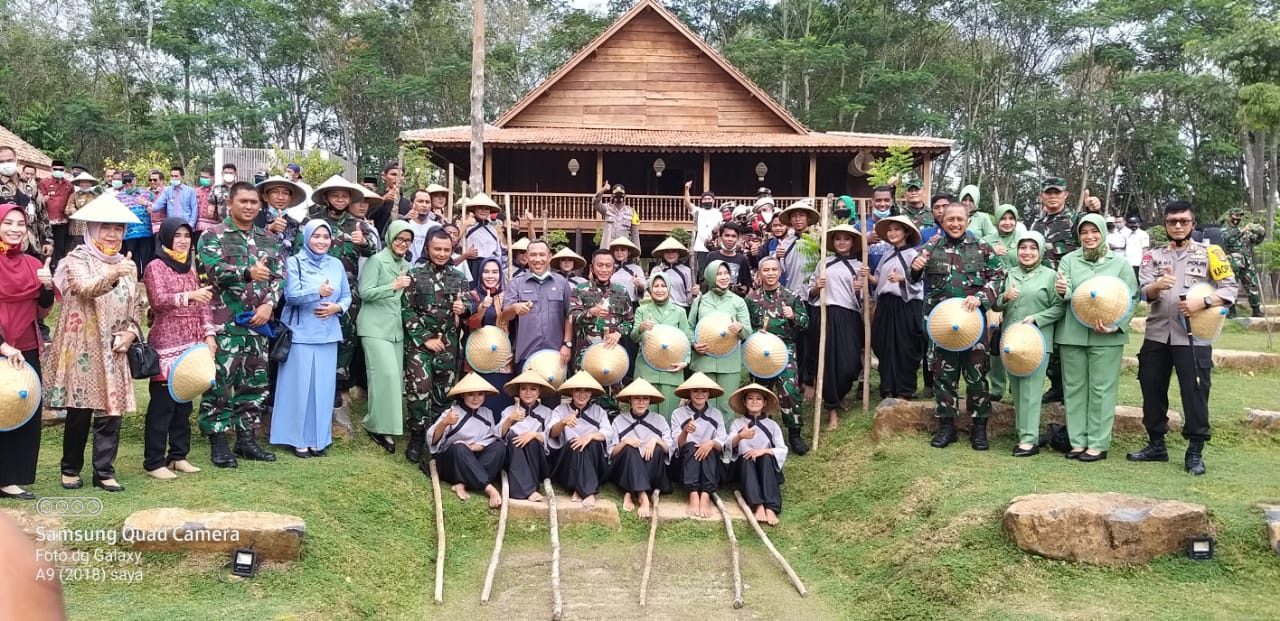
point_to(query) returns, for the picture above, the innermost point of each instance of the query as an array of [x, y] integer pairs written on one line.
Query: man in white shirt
[[294, 173], [1117, 234], [705, 219], [1136, 244]]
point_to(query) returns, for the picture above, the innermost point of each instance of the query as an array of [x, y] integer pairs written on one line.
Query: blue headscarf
[[308, 230]]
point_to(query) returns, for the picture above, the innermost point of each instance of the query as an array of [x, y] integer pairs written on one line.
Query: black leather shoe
[[220, 451], [1193, 462], [106, 487], [1154, 451], [1086, 457], [795, 440], [248, 448], [22, 495], [388, 446], [302, 453], [946, 433], [77, 484], [978, 435], [1074, 454], [319, 453], [417, 440], [1053, 396], [1021, 452]]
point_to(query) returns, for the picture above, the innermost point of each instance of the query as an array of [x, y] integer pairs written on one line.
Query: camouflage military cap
[[1236, 211], [1054, 183]]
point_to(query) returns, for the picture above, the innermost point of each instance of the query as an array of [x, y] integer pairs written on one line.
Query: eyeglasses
[[401, 241], [1178, 222]]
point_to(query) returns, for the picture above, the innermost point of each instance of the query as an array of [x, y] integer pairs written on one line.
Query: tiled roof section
[[26, 152], [561, 138]]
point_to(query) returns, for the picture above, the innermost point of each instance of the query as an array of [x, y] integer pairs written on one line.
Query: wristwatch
[[1208, 301], [567, 344]]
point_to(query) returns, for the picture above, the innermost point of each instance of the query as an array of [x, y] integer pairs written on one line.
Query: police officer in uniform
[[1166, 274]]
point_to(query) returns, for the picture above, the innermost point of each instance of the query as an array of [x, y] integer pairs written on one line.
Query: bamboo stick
[[733, 550], [449, 207], [557, 601], [795, 580], [648, 555], [497, 543], [511, 262], [822, 323], [435, 493], [866, 319]]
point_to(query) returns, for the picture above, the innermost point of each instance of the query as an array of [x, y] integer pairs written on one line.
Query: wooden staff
[[449, 207], [769, 544], [545, 214], [557, 601], [866, 319], [822, 323], [511, 261], [435, 493], [648, 555], [733, 550], [497, 544]]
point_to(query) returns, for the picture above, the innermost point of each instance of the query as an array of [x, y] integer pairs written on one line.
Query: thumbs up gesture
[[357, 237], [1061, 285], [1011, 293], [1092, 203], [1166, 279], [259, 271], [326, 290], [458, 306], [203, 295], [45, 275], [920, 261], [401, 281]]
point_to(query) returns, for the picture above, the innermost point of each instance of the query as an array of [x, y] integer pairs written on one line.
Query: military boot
[[1193, 461], [1154, 451], [221, 451], [1256, 311], [417, 439], [946, 433], [978, 435], [795, 440], [247, 447]]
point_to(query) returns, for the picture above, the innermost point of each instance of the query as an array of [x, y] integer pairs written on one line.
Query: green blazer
[[380, 310], [1076, 270], [714, 301], [668, 314], [1036, 298]]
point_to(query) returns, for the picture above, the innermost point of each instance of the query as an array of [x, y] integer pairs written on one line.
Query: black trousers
[[761, 482], [168, 426], [845, 336], [897, 338], [699, 476], [106, 442], [20, 448], [143, 250], [526, 468], [633, 473], [61, 245], [459, 464], [580, 471], [1156, 363], [807, 348]]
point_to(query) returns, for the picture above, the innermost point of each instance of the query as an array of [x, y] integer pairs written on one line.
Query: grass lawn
[[896, 531]]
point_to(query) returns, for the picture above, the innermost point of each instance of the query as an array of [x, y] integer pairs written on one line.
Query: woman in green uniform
[[726, 371], [660, 311], [381, 332], [1005, 242]]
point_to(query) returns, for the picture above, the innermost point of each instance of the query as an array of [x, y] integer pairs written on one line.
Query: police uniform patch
[[1219, 265]]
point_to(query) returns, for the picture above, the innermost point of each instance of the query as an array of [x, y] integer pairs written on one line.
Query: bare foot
[[833, 420], [759, 513], [643, 511], [770, 517], [495, 497], [575, 497], [535, 497], [707, 506], [460, 490], [627, 503], [589, 501], [693, 510], [808, 392]]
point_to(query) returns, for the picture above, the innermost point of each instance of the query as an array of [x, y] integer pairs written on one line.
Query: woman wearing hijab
[[725, 371], [486, 298], [182, 318], [101, 315], [381, 331], [1005, 243], [660, 311], [1092, 353], [316, 293], [26, 287]]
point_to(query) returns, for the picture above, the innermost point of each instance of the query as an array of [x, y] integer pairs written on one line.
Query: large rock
[[894, 416], [38, 527], [1103, 529], [52, 418], [1272, 515], [275, 537], [604, 513], [672, 507], [1138, 324], [1259, 324], [1245, 360], [1266, 420]]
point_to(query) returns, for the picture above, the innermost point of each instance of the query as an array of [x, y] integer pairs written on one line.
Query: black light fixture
[[244, 563], [1200, 548]]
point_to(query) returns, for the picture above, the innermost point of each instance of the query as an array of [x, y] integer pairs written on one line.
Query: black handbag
[[281, 342], [144, 361]]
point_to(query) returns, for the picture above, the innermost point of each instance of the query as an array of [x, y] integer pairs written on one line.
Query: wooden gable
[[650, 72]]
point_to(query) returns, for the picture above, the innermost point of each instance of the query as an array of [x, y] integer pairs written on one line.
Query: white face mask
[[228, 178], [9, 169]]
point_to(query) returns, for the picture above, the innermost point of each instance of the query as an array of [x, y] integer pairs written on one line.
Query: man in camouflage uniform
[[350, 242], [242, 264], [433, 310], [959, 265], [783, 314], [915, 206], [1238, 244], [601, 312], [1057, 224]]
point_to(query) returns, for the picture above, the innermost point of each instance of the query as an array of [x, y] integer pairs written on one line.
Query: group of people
[[391, 305]]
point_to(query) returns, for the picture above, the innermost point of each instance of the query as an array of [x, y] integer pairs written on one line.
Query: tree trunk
[[477, 97]]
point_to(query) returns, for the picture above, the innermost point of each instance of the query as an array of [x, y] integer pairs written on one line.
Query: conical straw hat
[[472, 382], [953, 328], [566, 253], [84, 176], [1206, 323], [632, 250], [295, 191], [528, 377], [737, 400], [765, 355], [1023, 349], [1100, 299], [581, 380], [641, 388], [336, 182], [802, 206], [19, 395], [436, 188], [481, 200], [847, 229], [546, 363], [608, 364], [670, 243], [488, 349], [192, 374], [713, 330], [696, 381], [663, 347], [913, 233], [369, 196], [106, 209], [521, 245]]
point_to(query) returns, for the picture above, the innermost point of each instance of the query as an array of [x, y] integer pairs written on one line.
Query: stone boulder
[[1138, 324], [33, 524], [1272, 515], [895, 416], [52, 418], [1245, 360], [275, 537], [1259, 324], [604, 513], [1103, 529], [1128, 418], [1265, 420], [342, 426]]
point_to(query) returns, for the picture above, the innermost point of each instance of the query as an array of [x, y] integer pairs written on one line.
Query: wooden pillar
[[577, 238], [599, 170], [926, 172], [488, 170], [813, 174], [706, 171]]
